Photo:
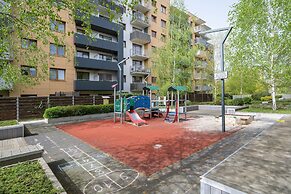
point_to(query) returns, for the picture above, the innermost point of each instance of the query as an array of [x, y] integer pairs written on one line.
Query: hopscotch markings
[[52, 141]]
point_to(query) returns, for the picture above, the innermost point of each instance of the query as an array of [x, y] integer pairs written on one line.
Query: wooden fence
[[22, 108], [200, 97]]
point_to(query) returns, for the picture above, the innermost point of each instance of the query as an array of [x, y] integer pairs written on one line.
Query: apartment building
[[203, 67], [145, 29], [82, 64]]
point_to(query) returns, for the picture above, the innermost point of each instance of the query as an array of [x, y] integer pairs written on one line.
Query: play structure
[[153, 107]]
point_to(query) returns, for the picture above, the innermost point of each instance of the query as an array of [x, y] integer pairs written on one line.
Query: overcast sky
[[214, 12]]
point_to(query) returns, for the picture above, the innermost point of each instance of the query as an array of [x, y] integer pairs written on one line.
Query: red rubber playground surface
[[147, 149]]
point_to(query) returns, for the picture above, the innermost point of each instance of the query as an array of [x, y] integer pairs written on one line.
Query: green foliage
[[261, 42], [173, 63], [79, 110], [266, 98], [8, 123], [27, 177], [258, 96]]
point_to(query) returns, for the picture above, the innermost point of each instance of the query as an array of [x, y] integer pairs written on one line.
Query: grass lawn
[[8, 123], [266, 110], [27, 177]]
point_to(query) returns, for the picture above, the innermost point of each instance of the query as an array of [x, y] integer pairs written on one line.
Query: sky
[[214, 12]]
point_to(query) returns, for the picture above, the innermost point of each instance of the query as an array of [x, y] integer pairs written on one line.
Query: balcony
[[201, 54], [86, 85], [201, 41], [143, 6], [107, 7], [138, 70], [200, 76], [4, 85], [140, 20], [201, 28], [204, 88], [85, 63], [199, 21], [137, 87], [200, 64], [6, 56], [84, 41], [138, 55], [140, 37]]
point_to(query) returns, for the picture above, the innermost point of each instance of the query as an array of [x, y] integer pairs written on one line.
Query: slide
[[134, 117]]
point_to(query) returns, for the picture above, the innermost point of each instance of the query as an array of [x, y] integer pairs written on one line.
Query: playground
[[147, 149]]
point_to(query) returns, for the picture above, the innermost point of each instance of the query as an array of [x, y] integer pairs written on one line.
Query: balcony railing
[[200, 76], [140, 37], [202, 88], [140, 20], [200, 64], [138, 86], [139, 70], [201, 28], [143, 6], [138, 55]]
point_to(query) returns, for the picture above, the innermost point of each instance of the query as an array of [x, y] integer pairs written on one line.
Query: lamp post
[[120, 86], [222, 75]]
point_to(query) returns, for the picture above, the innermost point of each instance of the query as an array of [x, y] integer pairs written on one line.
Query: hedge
[[78, 110]]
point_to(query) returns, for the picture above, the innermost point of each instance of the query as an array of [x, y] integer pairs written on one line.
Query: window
[[83, 54], [154, 80], [105, 57], [28, 43], [124, 78], [58, 26], [136, 79], [83, 75], [154, 3], [105, 37], [105, 77], [154, 18], [29, 71], [163, 38], [163, 24], [57, 74], [137, 49], [80, 30], [163, 9], [154, 34], [57, 50], [124, 44]]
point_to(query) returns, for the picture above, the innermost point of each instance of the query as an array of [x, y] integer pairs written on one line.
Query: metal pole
[[114, 99], [223, 81]]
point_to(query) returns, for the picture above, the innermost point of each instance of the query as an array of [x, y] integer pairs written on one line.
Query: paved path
[[82, 168], [262, 166]]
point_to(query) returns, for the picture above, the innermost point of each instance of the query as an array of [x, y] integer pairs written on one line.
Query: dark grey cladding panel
[[84, 85], [83, 63]]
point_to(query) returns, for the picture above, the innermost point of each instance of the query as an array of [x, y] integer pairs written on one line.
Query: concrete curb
[[13, 131], [79, 118]]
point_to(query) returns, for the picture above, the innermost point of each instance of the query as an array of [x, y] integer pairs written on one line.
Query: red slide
[[134, 117]]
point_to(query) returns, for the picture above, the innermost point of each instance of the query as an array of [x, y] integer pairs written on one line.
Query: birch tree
[[261, 39]]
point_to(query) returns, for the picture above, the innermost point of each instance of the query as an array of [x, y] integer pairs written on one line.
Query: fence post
[[48, 101], [17, 108], [73, 100], [94, 100]]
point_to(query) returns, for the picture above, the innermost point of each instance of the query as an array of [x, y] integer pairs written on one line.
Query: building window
[[163, 9], [28, 43], [163, 38], [57, 74], [105, 37], [83, 54], [105, 77], [124, 44], [29, 71], [80, 30], [83, 75], [154, 34], [57, 50], [154, 3], [154, 18], [163, 24], [136, 79], [124, 78], [105, 57], [58, 26], [154, 80]]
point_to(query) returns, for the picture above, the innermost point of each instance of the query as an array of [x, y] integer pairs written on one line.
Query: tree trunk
[[273, 93]]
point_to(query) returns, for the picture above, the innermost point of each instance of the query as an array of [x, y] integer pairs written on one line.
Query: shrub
[[79, 110], [266, 98], [229, 102], [247, 100], [238, 102], [258, 96]]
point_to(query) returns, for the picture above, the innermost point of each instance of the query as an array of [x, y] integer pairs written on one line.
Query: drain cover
[[157, 146]]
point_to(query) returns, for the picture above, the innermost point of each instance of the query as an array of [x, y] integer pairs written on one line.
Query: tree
[[261, 40], [33, 19], [173, 63]]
